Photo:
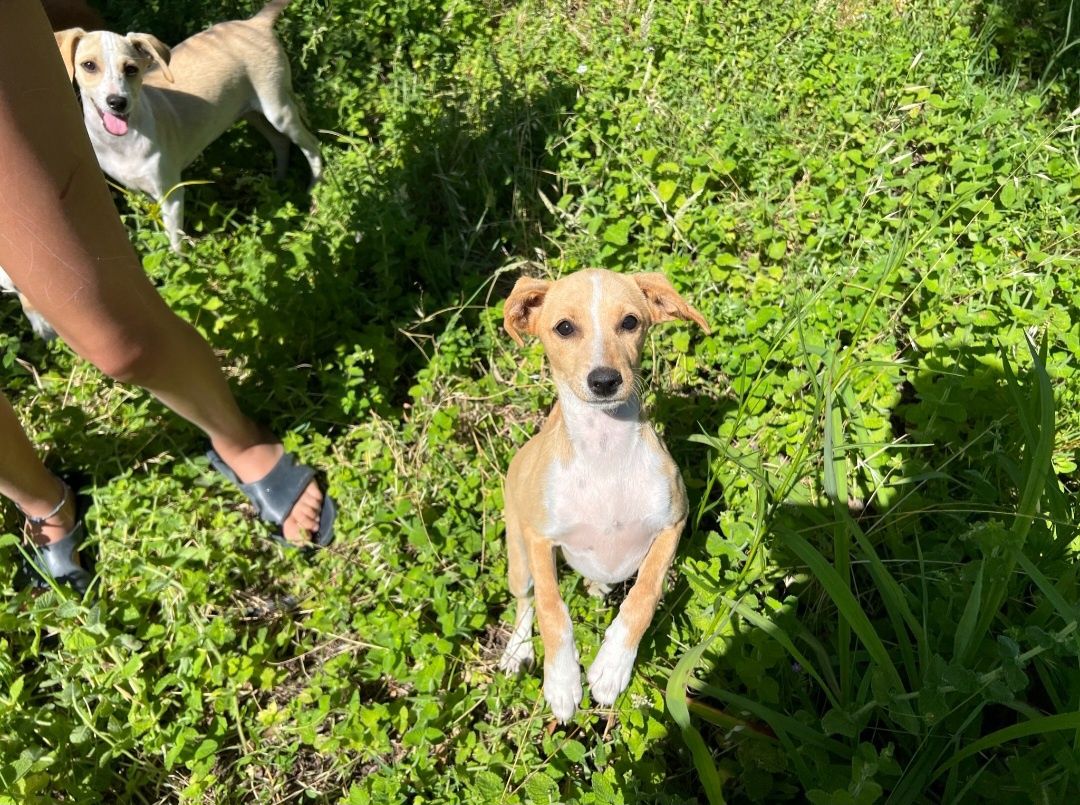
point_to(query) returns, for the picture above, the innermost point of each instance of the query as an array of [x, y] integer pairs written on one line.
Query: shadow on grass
[[323, 323], [404, 240], [1036, 40], [921, 561], [342, 299]]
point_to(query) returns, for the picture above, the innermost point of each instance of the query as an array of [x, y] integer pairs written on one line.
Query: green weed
[[873, 205]]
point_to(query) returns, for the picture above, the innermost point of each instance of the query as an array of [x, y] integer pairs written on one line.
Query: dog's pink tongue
[[114, 125]]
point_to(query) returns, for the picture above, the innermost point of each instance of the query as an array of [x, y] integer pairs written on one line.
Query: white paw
[[563, 695], [597, 589], [610, 672], [562, 682], [519, 647], [518, 654], [43, 329]]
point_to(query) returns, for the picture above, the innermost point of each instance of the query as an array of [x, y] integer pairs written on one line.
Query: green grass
[[873, 204]]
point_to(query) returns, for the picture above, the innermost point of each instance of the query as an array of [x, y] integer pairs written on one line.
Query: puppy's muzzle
[[604, 381], [117, 103]]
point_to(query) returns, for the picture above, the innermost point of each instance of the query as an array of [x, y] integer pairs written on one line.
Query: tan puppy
[[150, 111], [596, 481]]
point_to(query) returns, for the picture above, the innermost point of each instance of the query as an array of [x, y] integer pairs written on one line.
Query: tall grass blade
[[835, 482], [1035, 726], [850, 611], [718, 718], [917, 776], [780, 722], [1055, 501], [900, 614], [781, 637], [965, 630], [675, 697], [791, 733], [1047, 588], [1038, 468]]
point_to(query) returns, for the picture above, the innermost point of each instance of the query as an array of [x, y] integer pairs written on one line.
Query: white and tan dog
[[151, 111], [596, 481]]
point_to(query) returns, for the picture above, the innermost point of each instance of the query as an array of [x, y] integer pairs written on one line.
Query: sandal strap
[[41, 519], [275, 494], [58, 560]]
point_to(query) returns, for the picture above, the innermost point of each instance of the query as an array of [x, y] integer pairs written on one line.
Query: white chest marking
[[607, 504], [133, 160]]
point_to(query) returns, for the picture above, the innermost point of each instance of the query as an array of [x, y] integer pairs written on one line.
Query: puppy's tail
[[269, 13]]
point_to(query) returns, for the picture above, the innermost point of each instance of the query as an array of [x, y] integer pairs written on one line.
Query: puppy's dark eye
[[130, 69], [89, 66], [630, 323], [565, 328]]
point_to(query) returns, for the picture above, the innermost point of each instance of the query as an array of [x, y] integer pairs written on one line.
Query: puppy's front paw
[[563, 695], [610, 672], [518, 654], [562, 682]]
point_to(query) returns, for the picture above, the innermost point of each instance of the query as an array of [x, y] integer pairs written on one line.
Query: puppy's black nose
[[118, 103], [603, 382]]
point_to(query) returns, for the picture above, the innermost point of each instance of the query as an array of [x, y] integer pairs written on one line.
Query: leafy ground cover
[[873, 204]]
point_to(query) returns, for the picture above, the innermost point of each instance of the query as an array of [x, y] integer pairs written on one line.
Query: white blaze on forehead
[[109, 65], [114, 49], [598, 331]]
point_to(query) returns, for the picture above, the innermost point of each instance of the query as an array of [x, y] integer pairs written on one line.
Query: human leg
[[66, 249], [29, 485]]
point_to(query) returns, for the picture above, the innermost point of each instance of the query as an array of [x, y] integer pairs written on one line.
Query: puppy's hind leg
[[519, 648], [597, 589], [278, 142], [283, 113]]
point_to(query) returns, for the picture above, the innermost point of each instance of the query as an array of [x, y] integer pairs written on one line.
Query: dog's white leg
[[562, 672], [562, 675], [597, 589], [172, 215], [519, 648], [610, 672], [282, 112]]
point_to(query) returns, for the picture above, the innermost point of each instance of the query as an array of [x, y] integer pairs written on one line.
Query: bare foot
[[56, 526], [255, 462]]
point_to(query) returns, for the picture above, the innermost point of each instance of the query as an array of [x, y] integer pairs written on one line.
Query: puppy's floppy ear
[[665, 304], [68, 42], [153, 48], [522, 307]]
